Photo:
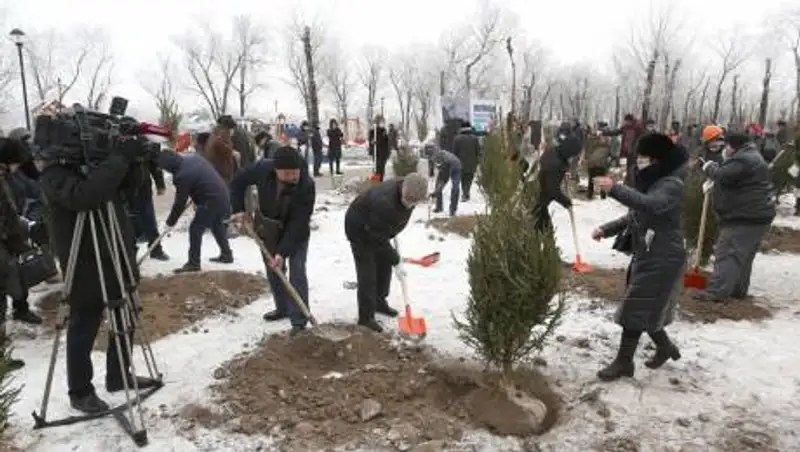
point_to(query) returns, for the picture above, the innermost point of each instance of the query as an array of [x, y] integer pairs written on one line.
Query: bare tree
[[789, 31], [670, 74], [250, 42], [297, 57], [731, 49], [340, 80], [164, 92], [373, 62], [100, 69], [491, 29], [212, 64], [56, 61], [401, 76], [691, 107]]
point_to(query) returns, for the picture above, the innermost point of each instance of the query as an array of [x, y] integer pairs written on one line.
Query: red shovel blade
[[581, 267], [412, 326], [375, 178], [424, 261], [694, 279]]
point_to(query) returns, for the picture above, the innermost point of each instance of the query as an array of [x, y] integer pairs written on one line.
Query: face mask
[[643, 163]]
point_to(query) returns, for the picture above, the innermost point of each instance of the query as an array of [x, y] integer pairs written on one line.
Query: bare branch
[[100, 68], [251, 47]]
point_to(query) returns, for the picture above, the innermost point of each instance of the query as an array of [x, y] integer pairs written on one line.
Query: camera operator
[[69, 192], [143, 210], [27, 166], [13, 234]]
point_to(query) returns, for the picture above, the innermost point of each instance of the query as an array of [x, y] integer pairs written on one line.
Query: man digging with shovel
[[286, 196]]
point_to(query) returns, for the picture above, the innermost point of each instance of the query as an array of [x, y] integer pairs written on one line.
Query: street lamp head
[[18, 36]]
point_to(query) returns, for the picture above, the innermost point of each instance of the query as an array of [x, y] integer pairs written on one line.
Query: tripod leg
[[63, 316], [135, 306], [140, 434]]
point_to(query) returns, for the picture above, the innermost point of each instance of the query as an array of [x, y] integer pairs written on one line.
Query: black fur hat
[[655, 145], [737, 140], [12, 151]]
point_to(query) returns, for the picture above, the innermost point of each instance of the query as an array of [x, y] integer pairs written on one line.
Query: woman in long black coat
[[651, 233]]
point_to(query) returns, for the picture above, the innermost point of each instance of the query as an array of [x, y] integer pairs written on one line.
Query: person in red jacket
[[630, 131]]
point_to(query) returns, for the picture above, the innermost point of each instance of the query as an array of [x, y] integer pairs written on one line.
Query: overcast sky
[[573, 30]]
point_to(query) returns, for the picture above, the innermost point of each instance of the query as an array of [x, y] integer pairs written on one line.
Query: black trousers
[[335, 159], [380, 166], [374, 276], [542, 219], [595, 172], [81, 334], [317, 161], [466, 183]]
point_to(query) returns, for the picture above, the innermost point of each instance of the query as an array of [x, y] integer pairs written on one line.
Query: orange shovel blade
[[412, 326], [581, 267], [375, 177], [694, 279]]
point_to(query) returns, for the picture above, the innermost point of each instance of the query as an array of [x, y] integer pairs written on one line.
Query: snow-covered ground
[[732, 375]]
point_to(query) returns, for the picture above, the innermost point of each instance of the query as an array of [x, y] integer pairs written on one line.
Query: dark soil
[[609, 285], [460, 225], [313, 393], [781, 239], [172, 303]]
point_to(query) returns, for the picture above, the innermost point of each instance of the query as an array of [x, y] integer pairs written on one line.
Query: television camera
[[84, 137]]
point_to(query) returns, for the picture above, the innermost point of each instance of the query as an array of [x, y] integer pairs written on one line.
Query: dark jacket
[[335, 139], [377, 216], [316, 141], [467, 147], [241, 144], [291, 206], [553, 165], [394, 138], [219, 152], [27, 196], [155, 176], [194, 178], [709, 155], [656, 244], [742, 188], [598, 152], [379, 143], [69, 192]]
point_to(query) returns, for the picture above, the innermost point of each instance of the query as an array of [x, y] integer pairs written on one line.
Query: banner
[[483, 113]]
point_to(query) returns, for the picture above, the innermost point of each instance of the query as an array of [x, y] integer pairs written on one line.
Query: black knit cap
[[737, 140], [655, 145], [287, 158], [12, 151]]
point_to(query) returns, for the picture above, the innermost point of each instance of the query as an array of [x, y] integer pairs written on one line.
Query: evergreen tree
[[404, 162], [8, 393], [515, 272]]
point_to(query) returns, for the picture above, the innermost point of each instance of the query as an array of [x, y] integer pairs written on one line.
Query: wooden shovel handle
[[701, 234]]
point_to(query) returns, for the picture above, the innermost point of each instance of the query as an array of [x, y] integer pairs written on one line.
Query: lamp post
[[18, 36]]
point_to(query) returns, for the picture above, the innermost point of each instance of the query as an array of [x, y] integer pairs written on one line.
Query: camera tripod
[[122, 313]]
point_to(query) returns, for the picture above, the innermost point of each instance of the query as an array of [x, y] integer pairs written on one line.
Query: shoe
[[386, 310], [187, 268], [622, 366], [339, 173], [296, 329], [142, 382], [90, 404], [273, 316], [159, 254], [27, 316], [372, 325], [222, 259], [665, 350], [452, 213], [437, 210]]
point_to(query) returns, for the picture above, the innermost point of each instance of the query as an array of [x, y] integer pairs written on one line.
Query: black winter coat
[[377, 216], [155, 176], [316, 141], [292, 206], [195, 178], [69, 192], [241, 144], [554, 164], [379, 143], [335, 139], [467, 147]]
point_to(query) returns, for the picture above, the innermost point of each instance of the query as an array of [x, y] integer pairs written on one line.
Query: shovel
[[157, 241], [424, 261], [326, 331], [694, 278], [413, 327], [579, 266]]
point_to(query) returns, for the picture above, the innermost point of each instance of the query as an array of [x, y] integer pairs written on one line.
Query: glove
[[708, 165], [394, 257]]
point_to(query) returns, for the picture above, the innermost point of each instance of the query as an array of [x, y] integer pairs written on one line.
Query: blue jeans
[[455, 189], [206, 218], [298, 278]]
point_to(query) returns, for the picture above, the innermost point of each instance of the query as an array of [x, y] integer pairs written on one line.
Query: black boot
[[89, 404], [188, 267], [223, 258], [372, 325], [116, 384], [275, 315], [797, 207], [25, 315], [622, 366], [159, 254], [665, 350], [385, 309]]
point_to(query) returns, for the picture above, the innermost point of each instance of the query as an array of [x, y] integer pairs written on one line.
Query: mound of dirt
[[781, 239], [172, 303], [368, 391], [461, 225], [609, 285]]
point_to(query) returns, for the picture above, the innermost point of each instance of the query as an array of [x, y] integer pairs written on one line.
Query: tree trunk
[[734, 101], [313, 94], [617, 106], [796, 51], [718, 97], [703, 97], [648, 86], [242, 92], [670, 75], [764, 107]]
